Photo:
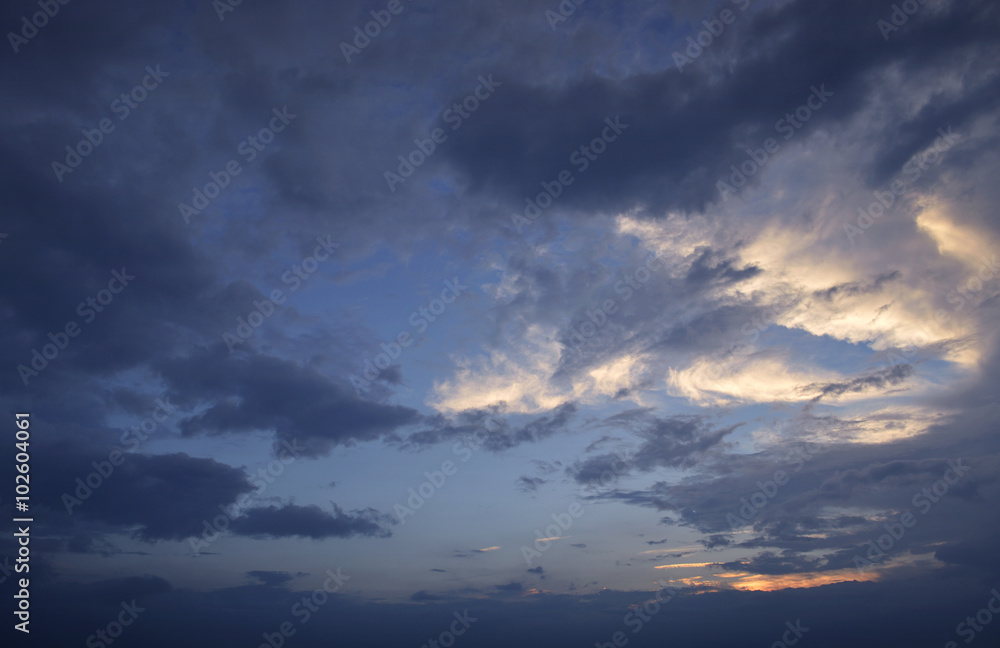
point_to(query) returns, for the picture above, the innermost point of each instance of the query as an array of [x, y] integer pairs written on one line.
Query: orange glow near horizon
[[747, 581], [684, 565], [768, 583]]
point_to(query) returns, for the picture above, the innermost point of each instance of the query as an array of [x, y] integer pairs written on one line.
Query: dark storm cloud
[[770, 563], [595, 470], [161, 497], [793, 47], [313, 522], [165, 497], [487, 429], [254, 392], [694, 125], [486, 423], [899, 472], [675, 442]]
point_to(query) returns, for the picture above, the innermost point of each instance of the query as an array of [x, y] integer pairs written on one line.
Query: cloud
[[714, 541], [675, 442], [766, 328], [291, 520], [254, 392], [154, 497], [527, 484], [878, 380], [270, 578], [459, 553], [769, 563], [486, 428]]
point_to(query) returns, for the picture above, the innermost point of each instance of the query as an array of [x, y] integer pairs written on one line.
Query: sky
[[531, 323]]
